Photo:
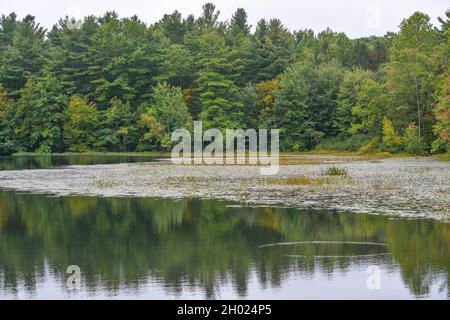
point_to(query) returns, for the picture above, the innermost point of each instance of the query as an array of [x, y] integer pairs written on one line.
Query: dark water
[[155, 249], [54, 161], [194, 249]]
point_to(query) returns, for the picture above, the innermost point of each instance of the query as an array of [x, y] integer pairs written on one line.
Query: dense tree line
[[116, 84]]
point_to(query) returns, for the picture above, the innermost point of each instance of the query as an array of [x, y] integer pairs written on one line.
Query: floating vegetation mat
[[408, 187]]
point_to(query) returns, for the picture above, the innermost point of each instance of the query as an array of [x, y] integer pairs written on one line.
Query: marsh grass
[[282, 162], [305, 181], [442, 157], [385, 185], [299, 162], [335, 171], [104, 184], [188, 180]]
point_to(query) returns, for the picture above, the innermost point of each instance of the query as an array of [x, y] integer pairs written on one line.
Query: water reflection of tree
[[51, 161], [122, 242]]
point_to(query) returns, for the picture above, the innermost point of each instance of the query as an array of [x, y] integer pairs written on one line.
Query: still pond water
[[142, 248]]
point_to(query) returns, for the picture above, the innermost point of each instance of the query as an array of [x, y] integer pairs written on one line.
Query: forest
[[118, 84]]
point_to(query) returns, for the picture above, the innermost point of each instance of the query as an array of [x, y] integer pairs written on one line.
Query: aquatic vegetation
[[386, 185], [104, 183], [335, 171], [302, 180], [410, 187], [442, 157], [292, 161]]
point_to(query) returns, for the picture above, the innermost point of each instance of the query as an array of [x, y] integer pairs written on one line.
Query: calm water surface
[[195, 249], [55, 161]]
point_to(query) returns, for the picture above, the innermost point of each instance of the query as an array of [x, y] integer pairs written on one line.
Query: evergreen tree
[[23, 57], [166, 113], [239, 24], [215, 90], [116, 128], [8, 27], [291, 111], [72, 50], [129, 57], [316, 88], [173, 27]]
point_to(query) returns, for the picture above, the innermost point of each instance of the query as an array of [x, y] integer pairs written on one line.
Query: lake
[[30, 162], [155, 248]]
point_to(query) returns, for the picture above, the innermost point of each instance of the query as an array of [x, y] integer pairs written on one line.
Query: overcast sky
[[356, 18]]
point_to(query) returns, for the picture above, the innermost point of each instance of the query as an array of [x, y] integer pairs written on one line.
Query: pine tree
[[72, 50], [291, 114], [116, 127], [24, 57], [8, 27], [129, 57], [215, 90], [173, 27]]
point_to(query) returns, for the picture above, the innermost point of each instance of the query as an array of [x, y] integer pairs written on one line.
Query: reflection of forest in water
[[124, 241], [53, 161]]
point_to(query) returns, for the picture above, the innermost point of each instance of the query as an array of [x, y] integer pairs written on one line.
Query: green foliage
[[416, 32], [372, 146], [23, 56], [413, 144], [248, 96], [178, 66], [238, 23], [153, 133], [38, 116], [411, 75], [442, 114], [344, 142], [8, 27], [305, 104], [7, 144], [217, 94], [410, 78], [291, 112], [348, 96], [321, 90], [117, 127], [173, 27], [169, 108], [335, 171], [372, 103], [82, 119], [392, 142], [272, 52], [265, 100], [167, 113]]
